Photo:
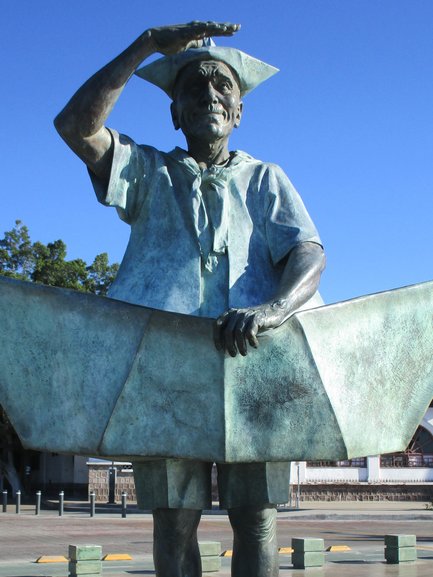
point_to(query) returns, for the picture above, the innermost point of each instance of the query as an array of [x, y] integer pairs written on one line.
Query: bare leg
[[255, 550], [175, 546]]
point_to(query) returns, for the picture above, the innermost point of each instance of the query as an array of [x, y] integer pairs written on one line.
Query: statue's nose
[[209, 94]]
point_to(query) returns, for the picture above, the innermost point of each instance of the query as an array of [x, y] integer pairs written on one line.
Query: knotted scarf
[[211, 209], [209, 201]]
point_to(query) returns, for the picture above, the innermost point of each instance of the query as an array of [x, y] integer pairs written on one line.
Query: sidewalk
[[358, 525], [363, 510], [314, 510]]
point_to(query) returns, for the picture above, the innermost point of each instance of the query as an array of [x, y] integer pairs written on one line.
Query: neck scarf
[[210, 206]]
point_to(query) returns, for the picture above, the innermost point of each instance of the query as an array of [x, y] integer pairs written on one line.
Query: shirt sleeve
[[129, 177], [287, 220]]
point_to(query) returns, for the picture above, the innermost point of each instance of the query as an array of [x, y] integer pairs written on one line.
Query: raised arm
[[300, 280], [81, 122]]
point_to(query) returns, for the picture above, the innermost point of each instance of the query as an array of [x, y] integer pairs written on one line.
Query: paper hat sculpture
[[89, 375], [250, 71]]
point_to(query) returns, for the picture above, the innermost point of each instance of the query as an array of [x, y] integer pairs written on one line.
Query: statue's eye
[[225, 86]]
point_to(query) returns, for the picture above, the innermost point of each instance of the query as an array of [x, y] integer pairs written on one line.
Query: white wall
[[360, 475], [406, 475], [336, 474]]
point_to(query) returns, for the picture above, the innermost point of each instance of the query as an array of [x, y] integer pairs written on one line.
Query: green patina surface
[[85, 552], [90, 375], [209, 548], [301, 545], [394, 541], [84, 568], [400, 555], [210, 564], [302, 560]]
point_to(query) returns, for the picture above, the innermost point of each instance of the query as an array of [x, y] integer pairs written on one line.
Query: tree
[[47, 264], [36, 262], [100, 275], [16, 253]]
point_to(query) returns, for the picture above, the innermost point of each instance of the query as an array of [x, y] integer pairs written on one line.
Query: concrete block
[[85, 552], [208, 548], [397, 555], [395, 541], [211, 563], [302, 560], [302, 545], [77, 568]]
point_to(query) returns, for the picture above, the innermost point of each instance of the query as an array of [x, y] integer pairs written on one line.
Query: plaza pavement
[[359, 525]]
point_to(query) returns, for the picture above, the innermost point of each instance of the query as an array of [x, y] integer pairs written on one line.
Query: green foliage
[[100, 274], [47, 264], [16, 253]]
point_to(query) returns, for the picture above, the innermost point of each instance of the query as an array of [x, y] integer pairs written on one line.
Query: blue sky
[[349, 118]]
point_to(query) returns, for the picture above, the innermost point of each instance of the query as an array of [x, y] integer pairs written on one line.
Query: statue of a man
[[213, 233]]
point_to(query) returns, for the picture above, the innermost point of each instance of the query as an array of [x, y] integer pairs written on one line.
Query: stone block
[[85, 552], [77, 568], [395, 541], [302, 545], [302, 560], [396, 555], [208, 548], [211, 563]]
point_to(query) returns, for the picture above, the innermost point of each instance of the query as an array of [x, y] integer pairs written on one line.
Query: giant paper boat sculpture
[[94, 376]]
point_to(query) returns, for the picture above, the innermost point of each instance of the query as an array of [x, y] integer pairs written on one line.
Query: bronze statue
[[213, 233]]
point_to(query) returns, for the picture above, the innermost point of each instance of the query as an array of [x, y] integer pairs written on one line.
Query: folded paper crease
[[90, 375]]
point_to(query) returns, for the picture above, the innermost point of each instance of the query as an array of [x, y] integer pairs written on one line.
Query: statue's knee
[[175, 526], [254, 525]]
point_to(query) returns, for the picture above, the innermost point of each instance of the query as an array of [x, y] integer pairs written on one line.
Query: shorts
[[183, 484]]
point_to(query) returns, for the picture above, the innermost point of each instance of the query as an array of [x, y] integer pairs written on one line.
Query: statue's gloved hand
[[178, 37], [234, 329]]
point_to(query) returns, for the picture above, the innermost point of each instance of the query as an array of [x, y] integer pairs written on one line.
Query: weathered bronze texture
[[92, 377]]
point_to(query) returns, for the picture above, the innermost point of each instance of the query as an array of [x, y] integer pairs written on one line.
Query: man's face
[[206, 102]]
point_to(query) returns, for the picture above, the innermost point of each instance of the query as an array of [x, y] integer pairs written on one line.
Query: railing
[[406, 460], [386, 461], [61, 503], [361, 462]]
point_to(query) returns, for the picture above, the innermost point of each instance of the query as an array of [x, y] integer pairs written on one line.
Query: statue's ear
[[239, 115], [174, 117]]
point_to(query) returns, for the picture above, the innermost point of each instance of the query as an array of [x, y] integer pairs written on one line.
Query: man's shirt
[[202, 241]]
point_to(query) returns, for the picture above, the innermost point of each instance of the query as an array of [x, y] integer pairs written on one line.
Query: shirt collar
[[188, 161]]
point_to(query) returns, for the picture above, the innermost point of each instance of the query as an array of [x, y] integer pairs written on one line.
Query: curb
[[360, 517]]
